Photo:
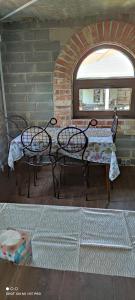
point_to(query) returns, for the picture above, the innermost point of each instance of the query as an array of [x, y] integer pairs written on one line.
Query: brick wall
[[113, 32]]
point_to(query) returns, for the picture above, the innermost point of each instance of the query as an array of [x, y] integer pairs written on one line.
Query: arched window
[[104, 79]]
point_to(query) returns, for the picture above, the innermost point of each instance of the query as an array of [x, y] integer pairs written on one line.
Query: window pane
[[105, 63], [105, 99]]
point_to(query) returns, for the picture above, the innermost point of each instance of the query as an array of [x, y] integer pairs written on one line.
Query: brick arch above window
[[113, 32]]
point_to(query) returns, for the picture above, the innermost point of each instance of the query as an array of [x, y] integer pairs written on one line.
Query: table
[[101, 149], [97, 241]]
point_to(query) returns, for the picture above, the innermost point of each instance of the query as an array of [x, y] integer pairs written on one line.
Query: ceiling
[[64, 9]]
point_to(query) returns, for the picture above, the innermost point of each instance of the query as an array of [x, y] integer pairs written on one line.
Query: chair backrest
[[114, 125], [16, 125], [36, 140], [92, 123], [72, 140], [51, 122]]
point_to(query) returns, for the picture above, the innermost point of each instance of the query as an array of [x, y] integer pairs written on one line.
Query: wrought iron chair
[[109, 184], [72, 143], [94, 123], [37, 146], [16, 125]]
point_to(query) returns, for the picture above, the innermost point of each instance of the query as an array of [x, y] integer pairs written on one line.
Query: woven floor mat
[[76, 238]]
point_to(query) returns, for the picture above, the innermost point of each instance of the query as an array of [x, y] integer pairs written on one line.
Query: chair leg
[[34, 171], [111, 184], [85, 176], [8, 172], [55, 182], [18, 179], [29, 173], [60, 180], [16, 173]]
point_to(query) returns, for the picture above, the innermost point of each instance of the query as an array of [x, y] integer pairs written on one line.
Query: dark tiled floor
[[61, 285], [122, 195]]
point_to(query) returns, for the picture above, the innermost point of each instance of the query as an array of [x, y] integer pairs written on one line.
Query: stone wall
[[28, 62]]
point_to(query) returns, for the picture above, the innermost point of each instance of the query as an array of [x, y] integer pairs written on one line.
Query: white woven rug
[[75, 238]]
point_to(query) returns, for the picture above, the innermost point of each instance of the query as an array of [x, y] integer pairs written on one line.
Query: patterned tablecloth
[[76, 238], [101, 149]]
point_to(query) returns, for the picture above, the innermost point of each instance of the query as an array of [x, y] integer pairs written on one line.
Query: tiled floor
[[122, 195]]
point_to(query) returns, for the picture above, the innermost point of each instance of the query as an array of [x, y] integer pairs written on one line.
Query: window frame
[[114, 82]]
